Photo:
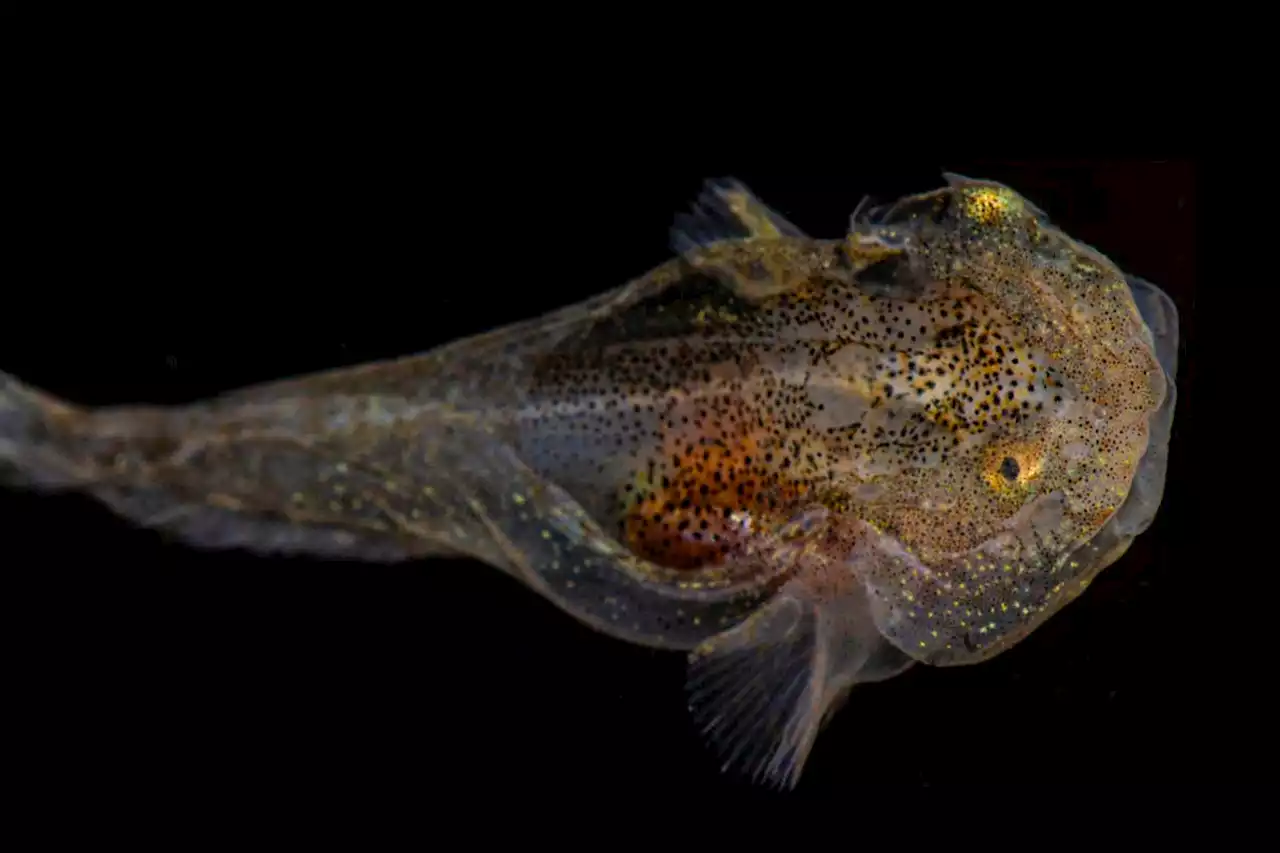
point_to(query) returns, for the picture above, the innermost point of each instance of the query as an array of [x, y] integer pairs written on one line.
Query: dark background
[[166, 248]]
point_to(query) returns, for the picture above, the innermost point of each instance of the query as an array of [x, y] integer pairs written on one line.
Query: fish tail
[[37, 445], [218, 474]]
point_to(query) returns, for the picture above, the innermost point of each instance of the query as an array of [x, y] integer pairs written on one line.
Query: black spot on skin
[[1009, 468]]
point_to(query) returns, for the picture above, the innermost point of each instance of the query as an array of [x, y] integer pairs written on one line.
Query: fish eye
[[1014, 467]]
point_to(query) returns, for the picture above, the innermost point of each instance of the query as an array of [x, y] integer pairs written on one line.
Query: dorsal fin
[[727, 210]]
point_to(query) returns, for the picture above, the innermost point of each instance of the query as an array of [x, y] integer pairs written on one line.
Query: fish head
[[1061, 399]]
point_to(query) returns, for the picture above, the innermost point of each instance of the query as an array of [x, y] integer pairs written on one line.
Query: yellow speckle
[[546, 534], [988, 204], [518, 498]]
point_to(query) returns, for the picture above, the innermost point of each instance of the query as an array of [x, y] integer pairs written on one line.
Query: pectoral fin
[[761, 692]]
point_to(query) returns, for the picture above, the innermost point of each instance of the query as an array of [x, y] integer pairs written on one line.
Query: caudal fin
[[30, 449]]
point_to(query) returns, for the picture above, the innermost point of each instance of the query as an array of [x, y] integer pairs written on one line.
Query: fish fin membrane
[[1161, 317], [761, 692], [212, 528], [30, 455], [727, 210]]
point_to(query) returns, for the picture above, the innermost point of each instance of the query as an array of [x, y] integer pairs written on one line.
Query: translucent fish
[[808, 463]]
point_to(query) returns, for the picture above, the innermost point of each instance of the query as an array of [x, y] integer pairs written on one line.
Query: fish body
[[807, 463]]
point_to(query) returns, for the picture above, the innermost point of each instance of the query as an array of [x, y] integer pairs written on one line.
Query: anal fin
[[761, 692]]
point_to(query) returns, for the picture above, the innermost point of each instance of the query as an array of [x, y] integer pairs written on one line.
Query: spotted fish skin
[[809, 463]]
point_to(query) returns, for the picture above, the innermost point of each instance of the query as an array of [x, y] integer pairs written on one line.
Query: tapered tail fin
[[31, 453]]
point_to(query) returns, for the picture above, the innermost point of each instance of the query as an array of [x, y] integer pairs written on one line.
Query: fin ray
[[727, 210], [747, 689], [761, 692]]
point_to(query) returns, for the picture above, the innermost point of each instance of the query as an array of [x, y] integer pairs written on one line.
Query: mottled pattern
[[811, 463]]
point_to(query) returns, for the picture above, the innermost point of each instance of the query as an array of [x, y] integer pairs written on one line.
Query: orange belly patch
[[703, 500]]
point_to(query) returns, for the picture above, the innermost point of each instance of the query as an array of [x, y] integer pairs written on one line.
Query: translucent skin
[[811, 463]]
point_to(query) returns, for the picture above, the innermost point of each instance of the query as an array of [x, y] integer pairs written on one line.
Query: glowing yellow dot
[[987, 204]]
